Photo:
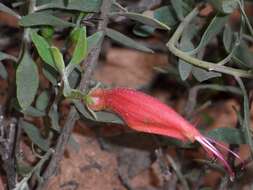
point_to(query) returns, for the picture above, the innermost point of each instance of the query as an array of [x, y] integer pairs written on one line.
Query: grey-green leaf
[[228, 135], [77, 5], [80, 51], [178, 7], [42, 101], [243, 55], [225, 6], [211, 31], [42, 47], [143, 19], [122, 39], [40, 19], [94, 39], [202, 75], [34, 135], [143, 30], [31, 111], [8, 10], [186, 45], [3, 71], [101, 115], [166, 15], [184, 69], [27, 80]]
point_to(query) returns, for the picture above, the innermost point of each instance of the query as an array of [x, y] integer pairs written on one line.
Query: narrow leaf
[[165, 15], [202, 75], [143, 19], [3, 71], [80, 51], [77, 5], [34, 134], [122, 39], [40, 18], [177, 5], [54, 117], [94, 39], [143, 30], [211, 31], [42, 101], [101, 116], [8, 10], [27, 80], [58, 59], [42, 47], [31, 111]]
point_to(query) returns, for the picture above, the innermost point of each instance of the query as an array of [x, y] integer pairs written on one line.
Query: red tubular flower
[[146, 114]]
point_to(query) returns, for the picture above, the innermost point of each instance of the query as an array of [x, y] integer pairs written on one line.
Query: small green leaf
[[94, 39], [54, 117], [58, 59], [228, 135], [80, 51], [202, 75], [50, 74], [31, 111], [42, 47], [166, 15], [34, 134], [143, 30], [47, 32], [8, 10], [228, 38], [27, 80], [122, 39], [186, 45], [184, 69], [178, 7], [243, 55], [3, 71], [215, 26], [225, 6], [101, 116], [143, 19], [40, 19], [42, 101], [77, 5]]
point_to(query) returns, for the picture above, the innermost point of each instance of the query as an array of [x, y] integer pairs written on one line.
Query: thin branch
[[90, 65], [210, 66], [7, 149]]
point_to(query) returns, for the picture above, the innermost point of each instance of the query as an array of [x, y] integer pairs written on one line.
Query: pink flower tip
[[213, 151]]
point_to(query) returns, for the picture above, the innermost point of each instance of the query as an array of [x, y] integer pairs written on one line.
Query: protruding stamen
[[209, 147]]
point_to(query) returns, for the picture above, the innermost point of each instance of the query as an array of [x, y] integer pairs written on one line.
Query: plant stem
[[246, 115], [210, 66], [72, 117]]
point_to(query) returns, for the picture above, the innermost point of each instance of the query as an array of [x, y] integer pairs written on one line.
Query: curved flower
[[146, 114]]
